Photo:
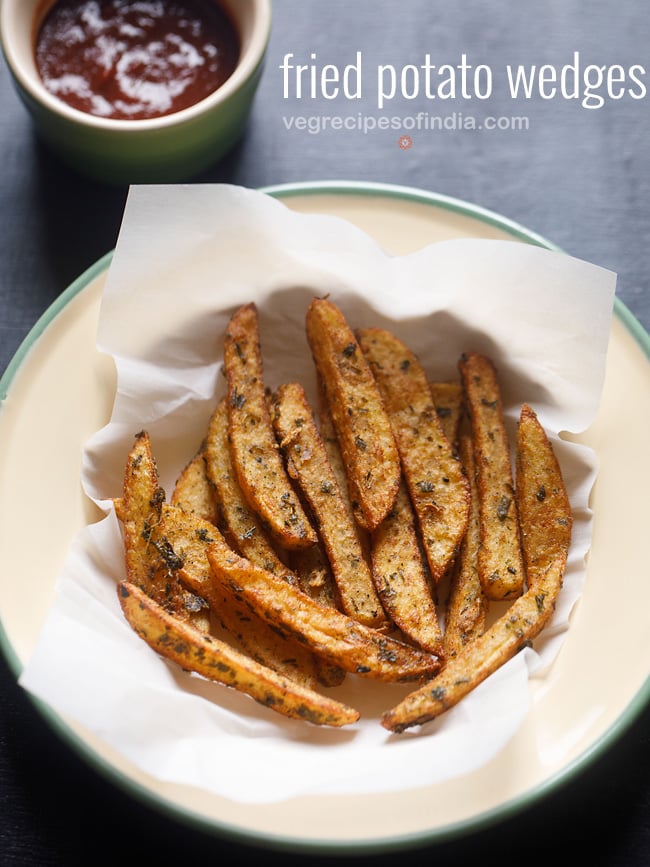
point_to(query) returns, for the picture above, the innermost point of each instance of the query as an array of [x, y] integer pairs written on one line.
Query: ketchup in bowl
[[135, 59]]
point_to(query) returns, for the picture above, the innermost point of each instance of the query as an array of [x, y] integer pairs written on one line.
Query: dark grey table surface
[[577, 176]]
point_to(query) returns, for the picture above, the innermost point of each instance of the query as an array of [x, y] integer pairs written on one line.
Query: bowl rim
[[250, 59]]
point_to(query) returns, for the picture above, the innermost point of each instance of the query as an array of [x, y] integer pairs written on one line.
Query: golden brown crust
[[523, 621], [401, 578], [432, 472], [500, 559], [542, 500], [217, 661], [254, 450], [189, 536], [362, 426], [150, 563], [448, 400], [193, 490], [467, 605], [308, 464], [356, 648], [244, 527]]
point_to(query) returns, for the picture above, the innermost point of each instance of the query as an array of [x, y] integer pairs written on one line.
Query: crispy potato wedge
[[331, 443], [189, 536], [309, 466], [245, 529], [543, 504], [255, 456], [150, 563], [401, 578], [501, 564], [433, 474], [315, 578], [523, 621], [362, 426], [466, 605], [356, 648], [448, 400], [217, 661], [193, 490]]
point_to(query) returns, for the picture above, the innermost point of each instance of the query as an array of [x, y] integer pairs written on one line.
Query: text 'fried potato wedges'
[[467, 605], [401, 578], [434, 476], [189, 536], [523, 621], [356, 648], [360, 420], [308, 464], [544, 509], [255, 455], [214, 660], [500, 559]]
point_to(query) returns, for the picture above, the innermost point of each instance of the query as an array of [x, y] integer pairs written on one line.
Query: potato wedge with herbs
[[255, 455], [354, 647], [217, 661], [523, 621], [432, 472], [544, 509], [309, 466], [331, 443], [189, 536], [315, 578], [362, 426], [466, 605], [150, 562], [501, 563], [448, 400], [193, 490], [244, 527], [401, 578]]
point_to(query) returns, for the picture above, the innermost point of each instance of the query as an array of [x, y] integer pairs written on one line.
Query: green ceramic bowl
[[159, 150]]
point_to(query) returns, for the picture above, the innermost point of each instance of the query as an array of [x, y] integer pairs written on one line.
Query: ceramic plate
[[587, 700]]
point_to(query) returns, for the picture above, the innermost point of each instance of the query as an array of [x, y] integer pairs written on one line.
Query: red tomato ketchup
[[135, 59]]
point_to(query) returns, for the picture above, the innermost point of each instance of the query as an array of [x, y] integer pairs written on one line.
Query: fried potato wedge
[[331, 443], [245, 529], [189, 536], [544, 509], [308, 464], [433, 474], [315, 578], [254, 450], [356, 648], [217, 661], [467, 606], [501, 564], [193, 490], [523, 621], [448, 400], [150, 563], [362, 426], [401, 578]]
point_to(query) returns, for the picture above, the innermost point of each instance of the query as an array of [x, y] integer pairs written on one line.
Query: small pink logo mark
[[405, 142]]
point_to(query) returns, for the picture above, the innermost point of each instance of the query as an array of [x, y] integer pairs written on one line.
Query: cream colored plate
[[59, 390]]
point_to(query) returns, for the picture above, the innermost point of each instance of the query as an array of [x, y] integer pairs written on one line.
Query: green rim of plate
[[328, 846]]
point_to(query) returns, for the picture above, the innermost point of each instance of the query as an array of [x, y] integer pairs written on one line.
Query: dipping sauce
[[135, 59]]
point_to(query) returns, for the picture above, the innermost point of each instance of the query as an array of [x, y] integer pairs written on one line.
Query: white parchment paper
[[186, 258]]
